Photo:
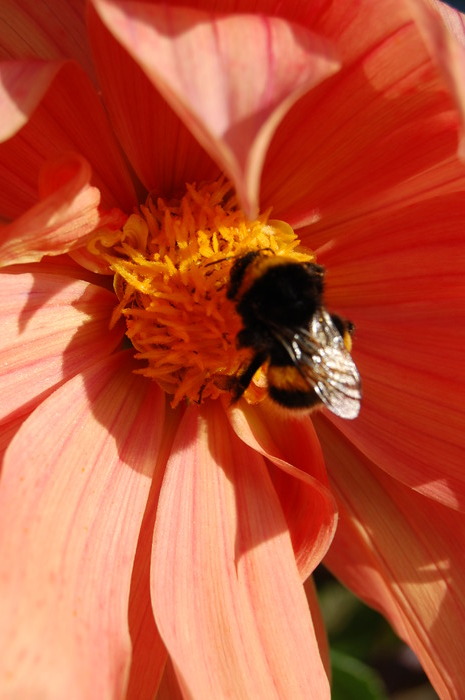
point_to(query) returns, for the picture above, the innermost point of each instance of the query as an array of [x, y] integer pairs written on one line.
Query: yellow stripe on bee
[[287, 379], [347, 339]]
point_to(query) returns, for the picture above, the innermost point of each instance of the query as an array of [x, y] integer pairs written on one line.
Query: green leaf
[[353, 680]]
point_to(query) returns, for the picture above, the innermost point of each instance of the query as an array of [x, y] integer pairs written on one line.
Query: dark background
[[458, 4], [369, 662]]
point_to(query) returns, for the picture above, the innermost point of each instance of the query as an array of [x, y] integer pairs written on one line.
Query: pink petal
[[160, 148], [231, 78], [8, 429], [68, 119], [63, 265], [53, 328], [22, 86], [64, 219], [169, 688], [149, 655], [45, 30], [403, 554], [345, 144], [299, 477], [399, 277], [71, 507], [226, 591], [446, 41], [453, 19], [318, 623]]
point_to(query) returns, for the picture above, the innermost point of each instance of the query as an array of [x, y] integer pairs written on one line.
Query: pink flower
[[148, 548]]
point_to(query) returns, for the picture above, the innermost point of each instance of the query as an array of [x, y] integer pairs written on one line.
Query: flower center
[[171, 264]]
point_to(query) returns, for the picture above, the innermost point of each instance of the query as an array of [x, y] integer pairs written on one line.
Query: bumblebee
[[306, 350]]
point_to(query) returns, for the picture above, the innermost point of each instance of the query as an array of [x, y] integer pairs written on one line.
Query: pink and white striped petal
[[53, 328], [231, 78], [72, 498], [224, 577], [396, 549], [299, 477]]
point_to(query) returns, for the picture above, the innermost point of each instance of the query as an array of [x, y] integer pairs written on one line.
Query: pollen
[[171, 263]]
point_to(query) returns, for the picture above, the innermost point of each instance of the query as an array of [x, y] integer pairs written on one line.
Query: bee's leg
[[243, 380], [346, 329]]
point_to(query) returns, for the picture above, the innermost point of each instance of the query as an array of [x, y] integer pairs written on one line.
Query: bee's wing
[[322, 358]]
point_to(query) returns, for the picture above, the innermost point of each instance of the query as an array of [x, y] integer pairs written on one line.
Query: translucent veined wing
[[322, 359]]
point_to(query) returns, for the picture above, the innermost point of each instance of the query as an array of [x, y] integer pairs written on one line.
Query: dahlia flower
[[156, 536]]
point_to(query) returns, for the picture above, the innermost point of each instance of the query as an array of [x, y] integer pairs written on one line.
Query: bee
[[305, 349]]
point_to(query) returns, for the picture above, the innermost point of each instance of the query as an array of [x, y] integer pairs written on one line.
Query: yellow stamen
[[172, 262]]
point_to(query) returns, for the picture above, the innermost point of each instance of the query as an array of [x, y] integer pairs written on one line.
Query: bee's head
[[281, 292]]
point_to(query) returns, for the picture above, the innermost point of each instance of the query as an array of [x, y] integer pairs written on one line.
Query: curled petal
[[231, 78], [298, 474], [71, 507], [453, 19], [149, 131], [68, 118], [402, 553], [447, 49], [224, 578], [64, 218]]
